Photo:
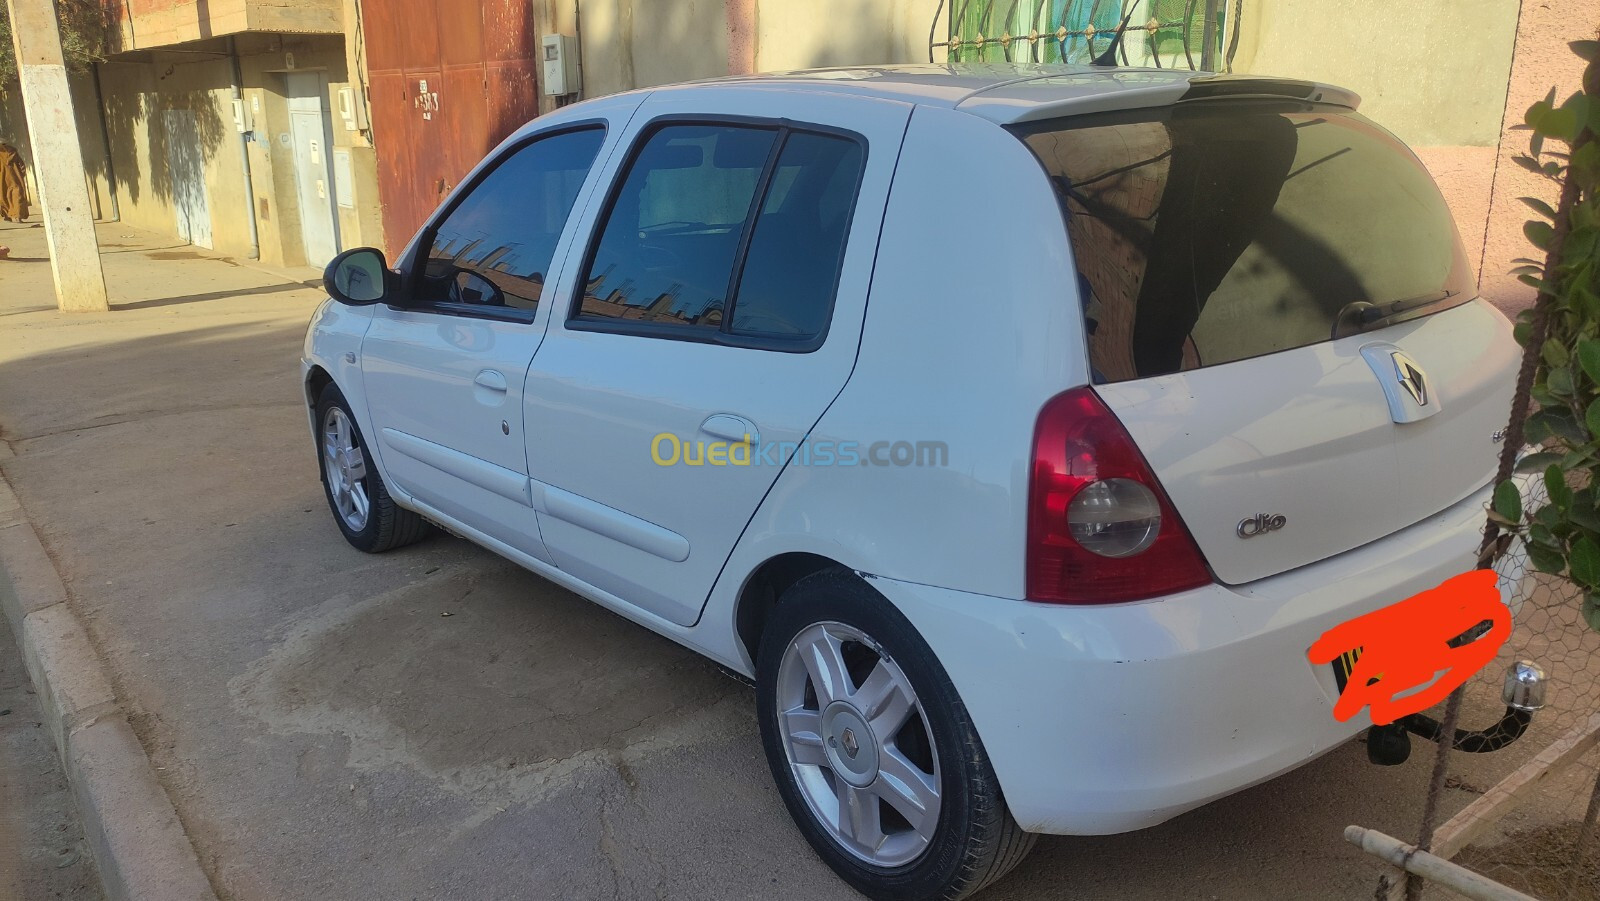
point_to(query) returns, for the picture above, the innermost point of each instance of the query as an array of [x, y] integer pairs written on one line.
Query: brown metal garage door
[[478, 62]]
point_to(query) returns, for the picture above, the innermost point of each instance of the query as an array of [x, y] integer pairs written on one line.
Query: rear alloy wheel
[[369, 518], [873, 751]]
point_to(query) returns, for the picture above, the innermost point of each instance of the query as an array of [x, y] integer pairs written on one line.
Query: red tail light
[[1091, 488]]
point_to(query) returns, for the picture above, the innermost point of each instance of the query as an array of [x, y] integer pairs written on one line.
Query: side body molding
[[473, 470], [548, 500], [612, 523]]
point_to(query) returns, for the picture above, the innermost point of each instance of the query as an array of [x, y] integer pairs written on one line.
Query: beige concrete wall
[[91, 139], [136, 96], [137, 92], [149, 24], [274, 192], [815, 33], [1434, 71], [640, 43]]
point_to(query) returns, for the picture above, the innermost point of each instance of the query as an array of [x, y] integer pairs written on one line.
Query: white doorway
[[311, 130]]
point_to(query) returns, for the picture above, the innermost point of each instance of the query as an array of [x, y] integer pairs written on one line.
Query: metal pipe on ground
[[1453, 876]]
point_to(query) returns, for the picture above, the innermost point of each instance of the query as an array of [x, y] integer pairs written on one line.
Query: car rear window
[[1211, 232]]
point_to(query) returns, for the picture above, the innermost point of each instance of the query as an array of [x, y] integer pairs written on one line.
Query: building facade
[[233, 124], [292, 128]]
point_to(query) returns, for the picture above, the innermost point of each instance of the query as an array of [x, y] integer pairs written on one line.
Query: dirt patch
[[1542, 862], [487, 680], [187, 255]]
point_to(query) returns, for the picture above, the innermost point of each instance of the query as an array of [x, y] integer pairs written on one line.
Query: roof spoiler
[[1212, 87]]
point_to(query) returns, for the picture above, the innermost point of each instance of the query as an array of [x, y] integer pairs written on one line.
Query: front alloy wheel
[[369, 518], [345, 468]]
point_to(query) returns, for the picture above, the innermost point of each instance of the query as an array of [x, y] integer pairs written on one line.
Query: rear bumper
[[1108, 719]]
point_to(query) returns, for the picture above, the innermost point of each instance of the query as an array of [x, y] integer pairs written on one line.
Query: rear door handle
[[729, 427], [490, 379]]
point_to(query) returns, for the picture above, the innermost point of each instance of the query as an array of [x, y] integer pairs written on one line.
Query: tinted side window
[[792, 268], [667, 249], [497, 245]]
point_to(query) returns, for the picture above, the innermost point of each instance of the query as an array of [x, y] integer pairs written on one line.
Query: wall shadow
[[169, 109]]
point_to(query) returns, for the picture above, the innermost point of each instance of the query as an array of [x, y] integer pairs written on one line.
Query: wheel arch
[[764, 586], [317, 379]]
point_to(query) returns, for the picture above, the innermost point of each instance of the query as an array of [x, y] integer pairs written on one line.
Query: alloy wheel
[[857, 742], [346, 468]]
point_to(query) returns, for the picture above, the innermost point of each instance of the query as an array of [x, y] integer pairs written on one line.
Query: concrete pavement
[[437, 723], [42, 850]]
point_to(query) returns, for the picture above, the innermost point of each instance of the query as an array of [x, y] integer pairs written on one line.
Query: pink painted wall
[[742, 40], [1481, 183]]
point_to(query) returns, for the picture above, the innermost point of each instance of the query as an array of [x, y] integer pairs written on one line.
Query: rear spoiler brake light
[[1212, 87]]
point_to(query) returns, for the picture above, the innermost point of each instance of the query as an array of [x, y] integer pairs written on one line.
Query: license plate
[[1343, 665]]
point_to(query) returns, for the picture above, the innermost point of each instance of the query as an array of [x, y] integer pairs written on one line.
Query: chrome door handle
[[729, 427], [490, 379]]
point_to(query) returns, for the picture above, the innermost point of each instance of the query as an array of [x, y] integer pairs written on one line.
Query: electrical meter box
[[560, 64]]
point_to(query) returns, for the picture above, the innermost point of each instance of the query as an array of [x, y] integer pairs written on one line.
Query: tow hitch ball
[[1523, 693]]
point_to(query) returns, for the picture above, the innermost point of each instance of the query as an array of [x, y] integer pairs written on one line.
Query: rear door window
[[726, 233], [1212, 232]]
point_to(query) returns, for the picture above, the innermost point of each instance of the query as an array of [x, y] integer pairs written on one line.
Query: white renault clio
[[1017, 430]]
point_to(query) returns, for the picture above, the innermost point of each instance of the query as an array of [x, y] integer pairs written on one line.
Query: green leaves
[[1559, 382], [1554, 422], [1547, 560], [1589, 360], [1584, 562], [1585, 164], [1560, 526], [1591, 417], [1538, 462], [1508, 502], [1555, 482]]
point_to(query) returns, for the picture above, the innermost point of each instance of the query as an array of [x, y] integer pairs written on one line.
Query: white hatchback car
[[1017, 430]]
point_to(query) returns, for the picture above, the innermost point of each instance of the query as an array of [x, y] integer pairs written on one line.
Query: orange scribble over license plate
[[1401, 650]]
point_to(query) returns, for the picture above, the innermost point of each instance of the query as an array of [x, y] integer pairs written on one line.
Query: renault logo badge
[[1405, 387], [1411, 378]]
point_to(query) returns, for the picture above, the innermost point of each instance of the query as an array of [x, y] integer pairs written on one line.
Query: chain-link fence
[[1540, 839], [1524, 816]]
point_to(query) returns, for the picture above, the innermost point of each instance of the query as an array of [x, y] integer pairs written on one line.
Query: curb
[[132, 829]]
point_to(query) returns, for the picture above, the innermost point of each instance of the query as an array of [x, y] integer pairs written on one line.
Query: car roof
[[1010, 93]]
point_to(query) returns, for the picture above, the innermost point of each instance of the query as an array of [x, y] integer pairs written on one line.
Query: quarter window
[[787, 286], [726, 232], [496, 247]]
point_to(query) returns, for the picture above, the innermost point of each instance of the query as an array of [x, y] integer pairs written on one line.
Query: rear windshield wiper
[[1382, 311], [1361, 315]]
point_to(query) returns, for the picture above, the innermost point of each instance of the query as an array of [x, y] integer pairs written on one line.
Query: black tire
[[976, 841], [388, 525]]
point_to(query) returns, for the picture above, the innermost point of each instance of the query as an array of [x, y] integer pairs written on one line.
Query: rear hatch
[[1279, 310]]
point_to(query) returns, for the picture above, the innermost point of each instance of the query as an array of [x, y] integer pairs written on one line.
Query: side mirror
[[357, 277]]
